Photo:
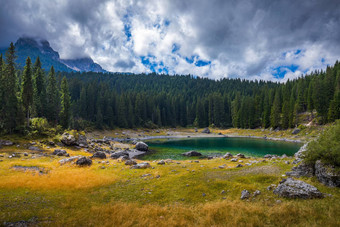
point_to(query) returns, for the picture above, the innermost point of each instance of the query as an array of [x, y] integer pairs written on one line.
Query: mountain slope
[[33, 48]]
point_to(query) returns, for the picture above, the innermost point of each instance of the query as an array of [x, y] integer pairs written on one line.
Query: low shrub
[[326, 147]]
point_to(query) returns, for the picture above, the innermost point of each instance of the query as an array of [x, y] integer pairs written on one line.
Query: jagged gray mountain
[[34, 47], [83, 65]]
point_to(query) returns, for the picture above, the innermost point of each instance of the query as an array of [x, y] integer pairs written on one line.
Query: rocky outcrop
[[99, 154], [84, 161], [302, 170], [290, 188], [141, 146], [206, 130], [327, 174], [82, 141], [192, 153]]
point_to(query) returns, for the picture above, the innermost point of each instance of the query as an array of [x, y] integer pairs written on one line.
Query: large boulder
[[99, 154], [68, 139], [192, 153], [119, 154], [206, 130], [290, 188], [141, 146], [84, 161], [302, 170], [327, 174]]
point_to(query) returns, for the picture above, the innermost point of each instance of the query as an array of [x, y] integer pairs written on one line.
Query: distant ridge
[[34, 47]]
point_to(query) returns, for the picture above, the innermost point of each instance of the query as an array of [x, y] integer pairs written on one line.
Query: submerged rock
[[192, 153], [290, 188], [327, 174]]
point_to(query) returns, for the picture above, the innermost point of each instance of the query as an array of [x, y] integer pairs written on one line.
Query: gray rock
[[59, 152], [82, 141], [302, 170], [130, 162], [234, 160], [67, 160], [239, 155], [6, 143], [296, 131], [84, 161], [256, 193], [161, 162], [119, 154], [34, 148], [290, 188], [99, 154], [141, 146], [245, 194], [192, 153], [239, 165], [300, 152], [228, 155], [142, 165], [268, 156], [68, 139], [206, 130], [327, 174]]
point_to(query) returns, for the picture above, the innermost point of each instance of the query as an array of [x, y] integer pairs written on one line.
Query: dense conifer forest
[[110, 100]]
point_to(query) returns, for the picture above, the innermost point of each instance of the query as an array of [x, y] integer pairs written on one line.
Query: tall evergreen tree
[[10, 101], [275, 111], [27, 89], [52, 97], [39, 88], [65, 113]]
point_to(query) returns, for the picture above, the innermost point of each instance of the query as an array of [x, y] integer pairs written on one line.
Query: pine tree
[[9, 109], [65, 113], [275, 111], [52, 97], [39, 88], [285, 115], [27, 89]]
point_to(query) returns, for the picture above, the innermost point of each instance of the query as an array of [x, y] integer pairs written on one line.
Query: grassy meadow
[[179, 193]]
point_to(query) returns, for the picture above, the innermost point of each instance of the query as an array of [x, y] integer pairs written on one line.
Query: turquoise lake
[[173, 148]]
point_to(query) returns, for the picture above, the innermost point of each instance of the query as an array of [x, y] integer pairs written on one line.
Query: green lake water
[[173, 148]]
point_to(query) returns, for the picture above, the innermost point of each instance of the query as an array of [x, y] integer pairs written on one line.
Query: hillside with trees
[[110, 100]]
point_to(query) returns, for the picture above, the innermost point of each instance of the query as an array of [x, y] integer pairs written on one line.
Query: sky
[[258, 39]]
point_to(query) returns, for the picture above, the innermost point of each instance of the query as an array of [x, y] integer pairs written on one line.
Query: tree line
[[109, 100]]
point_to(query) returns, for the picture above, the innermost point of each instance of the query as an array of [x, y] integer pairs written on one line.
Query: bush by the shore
[[326, 147]]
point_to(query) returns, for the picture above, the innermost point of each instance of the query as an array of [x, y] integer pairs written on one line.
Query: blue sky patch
[[281, 71], [194, 59]]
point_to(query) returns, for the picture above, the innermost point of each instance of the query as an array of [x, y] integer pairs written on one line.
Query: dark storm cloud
[[239, 37]]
